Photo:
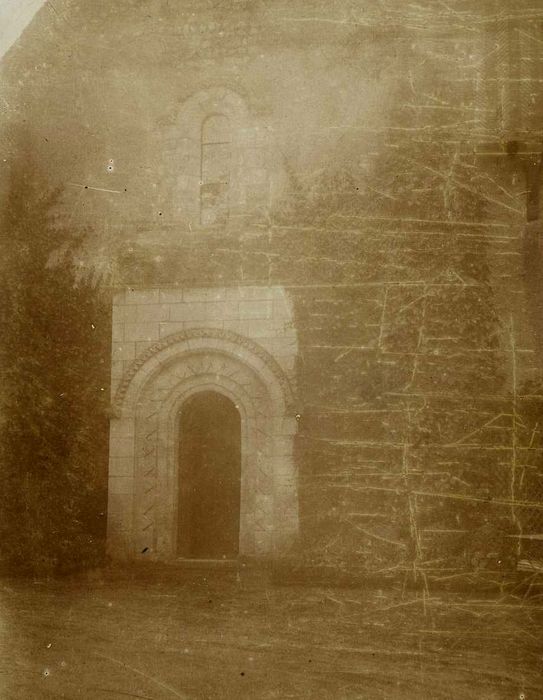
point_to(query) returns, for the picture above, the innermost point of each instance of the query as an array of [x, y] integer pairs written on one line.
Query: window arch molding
[[200, 185]]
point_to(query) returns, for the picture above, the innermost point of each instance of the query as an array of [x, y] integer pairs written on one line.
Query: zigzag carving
[[211, 333]]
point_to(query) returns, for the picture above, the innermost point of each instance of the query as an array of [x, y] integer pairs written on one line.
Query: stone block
[[283, 446], [264, 483], [222, 310], [204, 294], [234, 325], [121, 445], [121, 466], [117, 370], [141, 331], [255, 309], [263, 509], [204, 311], [117, 332], [145, 296], [282, 346], [116, 520], [258, 328], [204, 323], [171, 296], [121, 485], [150, 313], [124, 314], [119, 506], [260, 293], [122, 427], [263, 542], [181, 312], [168, 328], [123, 351]]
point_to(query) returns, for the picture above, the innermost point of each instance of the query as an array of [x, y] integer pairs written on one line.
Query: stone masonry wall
[[418, 420], [141, 317], [391, 208]]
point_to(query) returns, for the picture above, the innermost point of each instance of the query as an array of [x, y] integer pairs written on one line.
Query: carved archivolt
[[145, 442], [211, 333]]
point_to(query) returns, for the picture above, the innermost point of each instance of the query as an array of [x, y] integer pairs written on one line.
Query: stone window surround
[[187, 133]]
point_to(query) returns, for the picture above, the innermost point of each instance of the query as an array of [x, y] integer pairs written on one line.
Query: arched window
[[216, 145]]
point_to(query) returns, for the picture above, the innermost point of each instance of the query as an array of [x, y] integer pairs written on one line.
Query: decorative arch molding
[[216, 334], [143, 513]]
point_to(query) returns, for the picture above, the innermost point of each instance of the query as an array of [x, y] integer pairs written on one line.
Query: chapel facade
[[320, 227]]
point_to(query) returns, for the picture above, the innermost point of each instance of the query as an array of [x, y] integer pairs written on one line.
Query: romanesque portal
[[201, 449]]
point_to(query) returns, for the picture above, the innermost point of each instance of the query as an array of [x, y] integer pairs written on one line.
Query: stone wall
[[381, 182], [141, 317], [419, 416]]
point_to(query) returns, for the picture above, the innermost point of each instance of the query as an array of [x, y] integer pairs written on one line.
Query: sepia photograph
[[271, 349]]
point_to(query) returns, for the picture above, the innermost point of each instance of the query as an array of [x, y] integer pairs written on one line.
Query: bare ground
[[219, 634]]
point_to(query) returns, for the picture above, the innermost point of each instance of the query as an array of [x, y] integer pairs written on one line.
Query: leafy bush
[[53, 424]]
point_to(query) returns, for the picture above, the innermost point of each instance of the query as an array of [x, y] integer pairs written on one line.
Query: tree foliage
[[53, 424]]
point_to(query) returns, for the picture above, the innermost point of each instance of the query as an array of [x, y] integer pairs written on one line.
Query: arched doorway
[[146, 443], [209, 477]]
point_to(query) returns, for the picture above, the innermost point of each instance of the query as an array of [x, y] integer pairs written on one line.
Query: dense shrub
[[53, 422]]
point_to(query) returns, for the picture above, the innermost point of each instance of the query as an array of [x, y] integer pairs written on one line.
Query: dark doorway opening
[[209, 478]]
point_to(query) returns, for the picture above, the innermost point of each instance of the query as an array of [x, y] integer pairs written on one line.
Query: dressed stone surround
[[169, 344]]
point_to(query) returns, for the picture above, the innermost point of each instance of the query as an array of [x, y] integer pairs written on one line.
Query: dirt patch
[[222, 634]]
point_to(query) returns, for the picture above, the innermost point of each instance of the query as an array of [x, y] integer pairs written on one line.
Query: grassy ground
[[218, 634]]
